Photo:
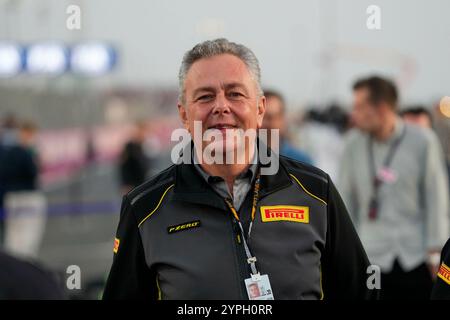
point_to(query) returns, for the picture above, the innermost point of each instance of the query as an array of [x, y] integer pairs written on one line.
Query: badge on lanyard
[[384, 175], [258, 287], [387, 175]]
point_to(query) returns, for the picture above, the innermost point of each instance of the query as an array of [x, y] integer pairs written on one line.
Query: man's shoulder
[[446, 253], [310, 178], [420, 135], [354, 137], [150, 194], [441, 289]]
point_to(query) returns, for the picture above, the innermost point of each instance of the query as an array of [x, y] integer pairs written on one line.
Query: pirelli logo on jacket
[[116, 245], [285, 213], [444, 273]]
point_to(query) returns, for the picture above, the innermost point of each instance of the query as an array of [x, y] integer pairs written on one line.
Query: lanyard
[[376, 181], [250, 258]]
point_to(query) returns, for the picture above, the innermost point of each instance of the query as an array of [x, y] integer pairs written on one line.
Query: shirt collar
[[192, 188], [250, 172]]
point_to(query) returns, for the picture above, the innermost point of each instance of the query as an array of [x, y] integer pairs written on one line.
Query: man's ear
[[261, 109], [183, 115]]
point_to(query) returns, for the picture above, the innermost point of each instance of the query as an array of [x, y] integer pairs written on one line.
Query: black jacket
[[23, 280], [177, 239], [441, 289], [18, 170]]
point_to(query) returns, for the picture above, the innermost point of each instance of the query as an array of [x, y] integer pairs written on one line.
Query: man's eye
[[205, 97], [235, 94]]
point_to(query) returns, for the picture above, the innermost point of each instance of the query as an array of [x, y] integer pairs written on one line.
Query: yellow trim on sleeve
[[159, 203], [159, 289], [321, 288], [304, 189]]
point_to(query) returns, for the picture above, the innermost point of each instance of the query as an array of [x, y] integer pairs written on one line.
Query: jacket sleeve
[[344, 263], [441, 288], [130, 277]]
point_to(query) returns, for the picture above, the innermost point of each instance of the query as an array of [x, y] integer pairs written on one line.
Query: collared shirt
[[241, 186], [412, 208]]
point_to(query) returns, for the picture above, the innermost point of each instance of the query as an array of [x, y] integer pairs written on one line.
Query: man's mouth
[[222, 126]]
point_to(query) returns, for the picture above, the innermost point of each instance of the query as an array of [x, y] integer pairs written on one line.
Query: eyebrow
[[201, 89], [236, 85], [228, 86]]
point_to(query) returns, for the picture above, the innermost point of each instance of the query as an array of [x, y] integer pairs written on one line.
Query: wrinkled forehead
[[218, 72]]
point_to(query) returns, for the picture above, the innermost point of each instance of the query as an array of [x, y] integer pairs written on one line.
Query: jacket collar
[[191, 187]]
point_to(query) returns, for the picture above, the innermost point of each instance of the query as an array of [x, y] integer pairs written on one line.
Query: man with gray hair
[[216, 229]]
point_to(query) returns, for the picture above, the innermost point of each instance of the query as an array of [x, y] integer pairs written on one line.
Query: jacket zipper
[[241, 258]]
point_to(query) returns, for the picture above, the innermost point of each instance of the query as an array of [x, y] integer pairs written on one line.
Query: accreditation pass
[[258, 287]]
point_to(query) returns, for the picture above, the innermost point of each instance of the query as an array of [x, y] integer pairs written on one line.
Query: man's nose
[[221, 105]]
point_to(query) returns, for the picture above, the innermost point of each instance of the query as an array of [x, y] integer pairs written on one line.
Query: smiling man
[[220, 92], [214, 230]]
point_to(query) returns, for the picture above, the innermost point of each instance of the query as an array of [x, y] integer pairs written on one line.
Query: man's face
[[365, 115], [274, 116], [221, 93], [254, 291], [27, 136]]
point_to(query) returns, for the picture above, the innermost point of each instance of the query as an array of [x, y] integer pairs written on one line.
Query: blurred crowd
[[390, 163]]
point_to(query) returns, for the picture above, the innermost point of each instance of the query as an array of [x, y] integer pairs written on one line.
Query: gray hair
[[215, 47]]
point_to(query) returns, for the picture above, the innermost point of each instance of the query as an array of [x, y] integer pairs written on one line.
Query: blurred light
[[444, 106], [92, 59], [47, 58], [11, 59]]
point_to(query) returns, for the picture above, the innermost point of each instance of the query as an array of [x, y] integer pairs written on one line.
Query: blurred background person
[[25, 280], [417, 115], [275, 118], [8, 130], [441, 122], [321, 132], [8, 138], [421, 116], [394, 182], [134, 164], [24, 204]]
